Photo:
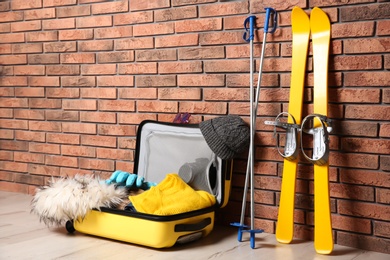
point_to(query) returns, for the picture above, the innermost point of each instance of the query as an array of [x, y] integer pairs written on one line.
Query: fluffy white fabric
[[72, 197]]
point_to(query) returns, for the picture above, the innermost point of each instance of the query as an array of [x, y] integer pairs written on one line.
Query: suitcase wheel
[[69, 226]]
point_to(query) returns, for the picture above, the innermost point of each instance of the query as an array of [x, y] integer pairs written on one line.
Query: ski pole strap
[[290, 148], [268, 12], [320, 154], [251, 21]]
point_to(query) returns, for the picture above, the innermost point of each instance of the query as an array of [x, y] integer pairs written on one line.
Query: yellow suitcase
[[162, 148]]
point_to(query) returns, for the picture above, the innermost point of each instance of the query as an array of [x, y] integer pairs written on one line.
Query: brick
[[46, 36], [73, 11], [384, 163], [13, 81], [116, 130], [106, 93], [355, 128], [7, 134], [224, 9], [353, 29], [363, 209], [4, 6], [78, 58], [179, 94], [257, 6], [93, 21], [364, 177], [220, 38], [366, 62], [157, 106], [138, 68], [190, 39], [103, 165], [97, 45], [44, 103], [381, 229], [43, 170], [115, 57], [43, 58], [13, 59], [29, 157], [354, 160], [367, 45], [63, 138], [354, 95], [156, 80], [134, 43], [63, 161], [138, 93], [365, 145], [153, 29], [7, 92], [44, 81], [11, 17], [180, 67], [372, 112], [29, 92], [155, 55], [13, 145], [80, 151], [58, 2], [193, 80], [114, 7], [366, 79], [13, 124], [13, 166], [59, 47], [98, 69], [44, 126], [226, 66], [30, 136], [54, 115], [44, 148], [218, 108], [205, 24], [133, 118], [133, 18], [100, 141], [40, 14], [26, 26], [384, 130], [114, 154], [383, 196], [225, 94], [78, 81], [6, 113], [14, 187], [6, 156], [11, 38], [364, 242], [14, 102], [6, 48], [6, 70], [20, 4], [114, 32], [98, 117], [78, 34], [202, 53], [115, 81], [369, 12], [62, 69], [82, 128], [353, 192], [29, 114], [29, 70], [382, 27], [178, 13], [153, 4], [27, 48], [58, 24], [117, 105], [81, 104]]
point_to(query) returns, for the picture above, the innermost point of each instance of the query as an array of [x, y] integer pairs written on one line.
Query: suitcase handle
[[193, 227]]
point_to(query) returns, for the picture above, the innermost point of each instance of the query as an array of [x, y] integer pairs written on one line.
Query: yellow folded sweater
[[171, 196]]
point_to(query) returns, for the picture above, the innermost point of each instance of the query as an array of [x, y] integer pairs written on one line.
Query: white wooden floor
[[23, 237]]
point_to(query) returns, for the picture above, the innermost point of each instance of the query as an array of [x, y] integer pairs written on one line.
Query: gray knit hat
[[226, 136]]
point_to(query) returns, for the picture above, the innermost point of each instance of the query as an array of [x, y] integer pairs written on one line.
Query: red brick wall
[[78, 76]]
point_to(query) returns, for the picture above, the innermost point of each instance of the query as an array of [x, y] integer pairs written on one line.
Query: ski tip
[[319, 19], [299, 20]]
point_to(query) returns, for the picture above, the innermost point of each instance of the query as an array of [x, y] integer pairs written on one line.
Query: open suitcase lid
[[163, 148]]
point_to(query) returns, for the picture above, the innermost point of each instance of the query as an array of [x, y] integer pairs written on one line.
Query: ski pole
[[253, 115]]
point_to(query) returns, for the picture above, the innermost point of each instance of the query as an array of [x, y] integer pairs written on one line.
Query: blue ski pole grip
[[268, 12], [251, 20]]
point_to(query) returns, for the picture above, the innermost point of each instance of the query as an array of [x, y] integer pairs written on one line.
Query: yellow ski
[[320, 30], [300, 40]]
